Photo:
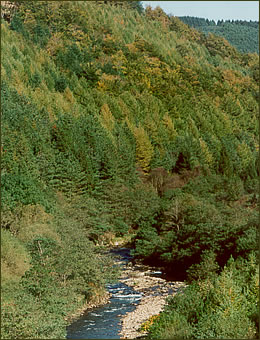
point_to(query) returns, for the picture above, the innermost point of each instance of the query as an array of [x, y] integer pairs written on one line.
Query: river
[[104, 322], [140, 293]]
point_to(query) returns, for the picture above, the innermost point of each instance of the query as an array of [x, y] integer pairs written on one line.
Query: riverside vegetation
[[124, 122]]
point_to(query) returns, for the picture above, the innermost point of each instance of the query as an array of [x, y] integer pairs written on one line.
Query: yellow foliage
[[132, 48], [168, 123], [76, 33], [106, 118], [125, 110], [152, 61], [20, 86], [144, 148], [30, 231], [158, 15], [39, 97], [107, 81], [237, 80], [245, 154], [35, 221], [207, 154], [151, 125], [227, 121], [130, 124], [146, 325], [55, 43], [62, 104], [41, 57], [29, 19], [52, 116], [69, 95], [193, 128], [3, 73], [217, 101], [119, 59]]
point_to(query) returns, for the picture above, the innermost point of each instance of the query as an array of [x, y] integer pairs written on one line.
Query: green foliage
[[217, 307], [18, 25], [35, 80], [73, 58], [188, 226], [64, 274], [14, 258], [205, 269], [172, 326], [60, 84], [38, 279], [242, 34], [41, 35], [121, 122], [26, 319], [24, 189]]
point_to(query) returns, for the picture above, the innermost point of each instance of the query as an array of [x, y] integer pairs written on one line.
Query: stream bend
[[140, 293]]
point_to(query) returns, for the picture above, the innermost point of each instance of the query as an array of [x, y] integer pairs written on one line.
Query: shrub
[[216, 308], [171, 326], [14, 257]]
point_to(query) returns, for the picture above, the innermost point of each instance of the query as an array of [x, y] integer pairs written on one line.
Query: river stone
[[155, 291]]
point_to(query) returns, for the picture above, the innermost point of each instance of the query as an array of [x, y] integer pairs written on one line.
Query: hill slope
[[244, 35], [119, 124]]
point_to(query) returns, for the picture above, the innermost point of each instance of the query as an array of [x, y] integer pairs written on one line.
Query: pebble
[[155, 291]]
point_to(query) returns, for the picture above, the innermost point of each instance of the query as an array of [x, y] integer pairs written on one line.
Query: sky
[[212, 10]]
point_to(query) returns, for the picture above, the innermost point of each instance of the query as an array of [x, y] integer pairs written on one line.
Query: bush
[[30, 319], [171, 326], [222, 307], [14, 257]]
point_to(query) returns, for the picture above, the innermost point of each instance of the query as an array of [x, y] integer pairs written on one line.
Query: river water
[[104, 322]]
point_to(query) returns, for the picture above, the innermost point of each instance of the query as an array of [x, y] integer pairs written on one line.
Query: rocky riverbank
[[154, 290]]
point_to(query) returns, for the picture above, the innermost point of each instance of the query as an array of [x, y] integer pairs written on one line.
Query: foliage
[[240, 33], [65, 272], [119, 122], [192, 232], [14, 258], [217, 308]]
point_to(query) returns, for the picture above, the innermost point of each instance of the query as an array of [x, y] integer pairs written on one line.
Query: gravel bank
[[154, 291]]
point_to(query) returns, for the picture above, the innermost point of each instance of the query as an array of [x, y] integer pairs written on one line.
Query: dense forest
[[242, 34], [124, 123]]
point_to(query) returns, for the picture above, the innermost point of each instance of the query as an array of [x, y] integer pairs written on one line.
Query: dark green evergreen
[[242, 34]]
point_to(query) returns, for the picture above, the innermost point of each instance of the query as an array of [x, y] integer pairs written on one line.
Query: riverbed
[[140, 293]]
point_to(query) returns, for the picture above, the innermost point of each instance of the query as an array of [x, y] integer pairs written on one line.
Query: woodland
[[242, 34], [124, 123]]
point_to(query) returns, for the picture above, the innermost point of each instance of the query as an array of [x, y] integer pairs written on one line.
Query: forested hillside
[[242, 34], [119, 122]]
